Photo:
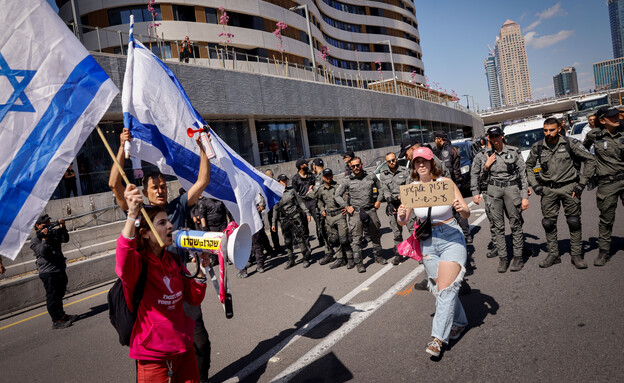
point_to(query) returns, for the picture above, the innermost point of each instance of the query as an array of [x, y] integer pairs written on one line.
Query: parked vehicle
[[524, 134]]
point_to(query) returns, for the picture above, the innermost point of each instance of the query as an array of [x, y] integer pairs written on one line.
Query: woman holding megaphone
[[162, 336]]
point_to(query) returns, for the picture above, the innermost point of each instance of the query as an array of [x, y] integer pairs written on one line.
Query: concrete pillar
[[344, 139], [255, 153], [304, 138]]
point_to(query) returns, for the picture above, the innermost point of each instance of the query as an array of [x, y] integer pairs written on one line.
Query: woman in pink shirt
[[162, 337]]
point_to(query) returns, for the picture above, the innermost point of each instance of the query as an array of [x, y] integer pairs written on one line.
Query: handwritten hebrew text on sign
[[436, 193]]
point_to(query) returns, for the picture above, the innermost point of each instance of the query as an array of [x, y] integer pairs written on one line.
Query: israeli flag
[[158, 113], [52, 94]]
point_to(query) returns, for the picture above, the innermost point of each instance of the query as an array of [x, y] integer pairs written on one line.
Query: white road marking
[[359, 313], [333, 309]]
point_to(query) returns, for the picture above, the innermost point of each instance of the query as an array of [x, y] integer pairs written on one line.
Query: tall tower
[[566, 82], [616, 20], [511, 57], [491, 74]]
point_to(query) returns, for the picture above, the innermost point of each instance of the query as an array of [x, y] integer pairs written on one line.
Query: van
[[524, 134]]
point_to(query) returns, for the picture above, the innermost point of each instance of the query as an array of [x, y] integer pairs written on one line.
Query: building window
[[356, 135], [399, 129], [382, 135], [117, 16], [324, 138], [184, 13], [279, 141], [236, 135]]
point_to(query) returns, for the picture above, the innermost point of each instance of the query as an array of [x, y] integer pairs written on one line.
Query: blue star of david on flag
[[19, 85]]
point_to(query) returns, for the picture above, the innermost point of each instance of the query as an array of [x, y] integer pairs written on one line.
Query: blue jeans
[[447, 243]]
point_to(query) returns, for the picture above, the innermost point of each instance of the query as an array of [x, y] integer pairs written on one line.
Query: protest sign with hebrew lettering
[[436, 193]]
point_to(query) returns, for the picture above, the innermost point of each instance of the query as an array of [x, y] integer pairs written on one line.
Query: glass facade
[[382, 135], [399, 131], [609, 74], [324, 137], [279, 141], [356, 135], [117, 16], [236, 135]]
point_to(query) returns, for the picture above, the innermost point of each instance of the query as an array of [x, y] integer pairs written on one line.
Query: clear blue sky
[[455, 35]]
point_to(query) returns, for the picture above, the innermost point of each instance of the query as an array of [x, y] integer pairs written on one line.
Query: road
[[322, 325]]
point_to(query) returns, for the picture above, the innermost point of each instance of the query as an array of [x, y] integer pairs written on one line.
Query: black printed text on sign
[[436, 193]]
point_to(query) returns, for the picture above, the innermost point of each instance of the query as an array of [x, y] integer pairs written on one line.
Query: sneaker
[[422, 285], [434, 347], [380, 260], [456, 332], [242, 274], [339, 263], [59, 324], [360, 267], [397, 260], [70, 318]]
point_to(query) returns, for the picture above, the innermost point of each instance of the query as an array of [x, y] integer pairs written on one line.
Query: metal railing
[[227, 57]]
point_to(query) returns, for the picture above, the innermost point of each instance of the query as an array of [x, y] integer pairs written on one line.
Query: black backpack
[[118, 311]]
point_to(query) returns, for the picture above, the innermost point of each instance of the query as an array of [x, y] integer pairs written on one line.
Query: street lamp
[[396, 90], [467, 103], [307, 16]]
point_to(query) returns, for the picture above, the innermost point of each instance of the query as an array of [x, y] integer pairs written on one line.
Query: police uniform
[[289, 211], [302, 186], [507, 187], [478, 185], [363, 192], [336, 222], [609, 176], [558, 178], [390, 183], [322, 229]]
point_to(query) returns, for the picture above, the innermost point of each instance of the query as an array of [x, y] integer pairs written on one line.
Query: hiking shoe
[[503, 264], [578, 262], [434, 347], [492, 253], [326, 259], [397, 260], [350, 264], [456, 332], [289, 264], [601, 259], [70, 318], [339, 263], [516, 264], [360, 267], [379, 259], [242, 274], [422, 285], [59, 324], [549, 261], [306, 264], [260, 269]]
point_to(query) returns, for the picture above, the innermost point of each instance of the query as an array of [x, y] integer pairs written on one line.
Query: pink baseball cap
[[423, 152]]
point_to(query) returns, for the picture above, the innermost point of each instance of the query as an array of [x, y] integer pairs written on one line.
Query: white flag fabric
[[158, 113], [53, 94]]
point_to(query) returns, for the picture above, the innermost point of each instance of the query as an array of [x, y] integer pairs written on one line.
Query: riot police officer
[[302, 183], [559, 182], [332, 208], [507, 193], [365, 199], [289, 211], [391, 179], [478, 187], [608, 141], [318, 165]]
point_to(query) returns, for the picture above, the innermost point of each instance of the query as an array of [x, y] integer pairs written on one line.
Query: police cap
[[495, 131]]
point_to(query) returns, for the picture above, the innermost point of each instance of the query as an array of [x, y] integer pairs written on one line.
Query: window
[[324, 137], [356, 135], [236, 135], [382, 135], [117, 16], [399, 128], [279, 141], [184, 13]]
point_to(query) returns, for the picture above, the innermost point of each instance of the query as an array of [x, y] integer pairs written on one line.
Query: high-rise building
[[609, 74], [565, 82], [513, 66], [348, 39], [491, 74], [616, 20]]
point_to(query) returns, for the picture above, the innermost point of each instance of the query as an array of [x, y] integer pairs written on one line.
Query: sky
[[455, 34]]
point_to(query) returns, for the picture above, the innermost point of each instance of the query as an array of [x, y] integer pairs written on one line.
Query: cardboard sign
[[437, 193]]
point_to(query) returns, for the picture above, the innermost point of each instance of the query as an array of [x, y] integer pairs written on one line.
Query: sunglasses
[[356, 165], [392, 160]]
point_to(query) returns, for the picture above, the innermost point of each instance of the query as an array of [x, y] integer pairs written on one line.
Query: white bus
[[589, 104]]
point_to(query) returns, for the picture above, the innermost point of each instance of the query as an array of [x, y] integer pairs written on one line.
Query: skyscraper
[[616, 20], [565, 82], [511, 58], [492, 80]]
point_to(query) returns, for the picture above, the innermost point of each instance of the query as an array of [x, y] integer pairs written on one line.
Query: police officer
[[303, 182], [318, 165], [347, 157], [365, 199], [478, 187], [559, 182], [332, 208], [274, 236], [391, 179], [450, 156], [289, 211], [608, 141], [507, 193]]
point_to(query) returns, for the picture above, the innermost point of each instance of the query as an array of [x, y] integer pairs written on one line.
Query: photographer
[[51, 266]]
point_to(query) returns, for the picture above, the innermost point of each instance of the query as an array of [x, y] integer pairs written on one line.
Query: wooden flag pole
[[123, 174]]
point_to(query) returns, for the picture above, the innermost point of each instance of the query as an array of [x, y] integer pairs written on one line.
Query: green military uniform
[[507, 186], [289, 211], [390, 183], [478, 185], [559, 177], [323, 230], [336, 223], [609, 175]]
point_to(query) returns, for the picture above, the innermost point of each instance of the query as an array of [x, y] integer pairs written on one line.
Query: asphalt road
[[322, 325]]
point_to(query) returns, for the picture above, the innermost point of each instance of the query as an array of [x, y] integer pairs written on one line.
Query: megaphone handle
[[215, 283], [227, 306]]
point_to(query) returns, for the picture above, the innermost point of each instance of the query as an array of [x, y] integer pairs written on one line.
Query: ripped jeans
[[447, 243]]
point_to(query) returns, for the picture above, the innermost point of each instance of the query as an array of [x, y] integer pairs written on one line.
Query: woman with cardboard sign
[[443, 249]]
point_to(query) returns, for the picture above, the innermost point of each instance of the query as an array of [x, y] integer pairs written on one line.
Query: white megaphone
[[236, 247]]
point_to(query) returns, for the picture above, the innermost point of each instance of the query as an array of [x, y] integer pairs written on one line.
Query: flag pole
[[123, 174]]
